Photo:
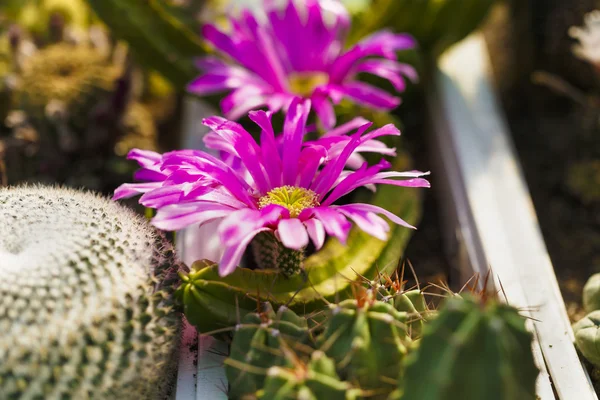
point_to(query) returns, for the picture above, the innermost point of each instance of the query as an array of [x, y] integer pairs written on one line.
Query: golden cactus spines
[[76, 76]]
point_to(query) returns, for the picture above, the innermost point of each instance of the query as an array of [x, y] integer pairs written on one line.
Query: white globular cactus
[[85, 305]]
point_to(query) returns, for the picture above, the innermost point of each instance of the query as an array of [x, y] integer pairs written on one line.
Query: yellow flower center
[[293, 198], [304, 83]]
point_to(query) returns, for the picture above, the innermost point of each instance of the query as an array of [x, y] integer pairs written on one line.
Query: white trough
[[489, 217], [489, 220]]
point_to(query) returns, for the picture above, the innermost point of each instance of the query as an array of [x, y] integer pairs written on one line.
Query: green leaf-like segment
[[158, 39], [436, 24]]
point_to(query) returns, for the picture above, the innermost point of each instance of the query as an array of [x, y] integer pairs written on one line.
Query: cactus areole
[[81, 313]]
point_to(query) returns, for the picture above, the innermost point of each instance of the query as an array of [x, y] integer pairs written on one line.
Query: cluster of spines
[[382, 343]]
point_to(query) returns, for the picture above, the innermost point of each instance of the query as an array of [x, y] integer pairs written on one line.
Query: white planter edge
[[490, 216]]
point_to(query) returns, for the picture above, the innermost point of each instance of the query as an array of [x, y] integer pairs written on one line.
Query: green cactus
[[591, 294], [258, 344], [75, 76], [436, 24], [312, 381], [367, 339], [587, 332], [328, 273], [85, 299], [158, 38], [472, 351]]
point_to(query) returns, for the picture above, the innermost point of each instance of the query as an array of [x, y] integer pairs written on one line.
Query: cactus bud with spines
[[312, 381], [85, 299], [472, 350], [412, 301], [587, 331], [367, 339], [259, 343]]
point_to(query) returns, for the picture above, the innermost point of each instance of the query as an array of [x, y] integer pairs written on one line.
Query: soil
[[557, 135]]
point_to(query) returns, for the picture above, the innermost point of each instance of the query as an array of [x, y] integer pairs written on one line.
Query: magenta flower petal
[[292, 233], [177, 216], [358, 207], [298, 50], [242, 145], [293, 133], [233, 254], [335, 223], [316, 232], [127, 190], [368, 222], [344, 129], [368, 95], [270, 153]]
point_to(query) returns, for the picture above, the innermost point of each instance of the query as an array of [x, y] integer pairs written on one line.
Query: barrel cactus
[[259, 343], [587, 332], [314, 380], [72, 76], [368, 341], [471, 351], [85, 299]]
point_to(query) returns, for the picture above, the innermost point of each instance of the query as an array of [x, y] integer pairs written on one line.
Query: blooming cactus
[[297, 51], [286, 188]]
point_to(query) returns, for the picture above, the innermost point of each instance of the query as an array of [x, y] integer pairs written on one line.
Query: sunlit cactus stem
[[270, 253]]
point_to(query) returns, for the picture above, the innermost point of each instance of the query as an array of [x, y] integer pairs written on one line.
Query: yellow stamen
[[305, 83], [293, 198]]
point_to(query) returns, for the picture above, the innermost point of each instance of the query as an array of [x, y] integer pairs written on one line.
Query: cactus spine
[[315, 380], [259, 343], [472, 351], [81, 313], [412, 301]]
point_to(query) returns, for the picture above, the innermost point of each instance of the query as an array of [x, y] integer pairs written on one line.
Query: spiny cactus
[[85, 299], [587, 332], [412, 302], [329, 272], [312, 381], [258, 344], [368, 341], [472, 351], [74, 76]]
